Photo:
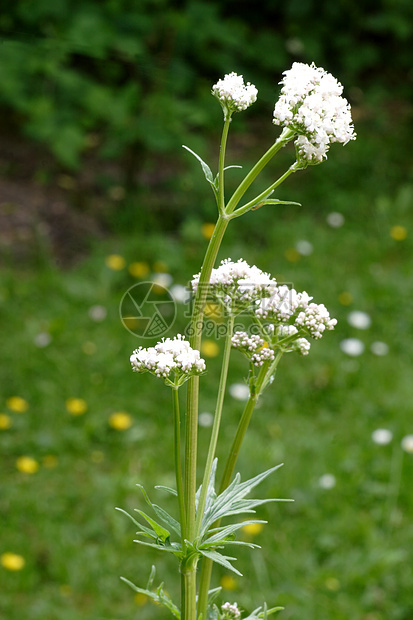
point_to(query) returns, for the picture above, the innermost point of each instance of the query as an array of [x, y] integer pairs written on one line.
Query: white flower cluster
[[311, 104], [236, 285], [254, 347], [295, 313], [230, 611], [170, 357], [233, 94]]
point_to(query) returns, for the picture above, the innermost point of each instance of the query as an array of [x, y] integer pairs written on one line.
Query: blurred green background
[[96, 195]]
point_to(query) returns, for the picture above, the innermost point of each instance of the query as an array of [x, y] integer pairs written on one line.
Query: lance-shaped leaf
[[206, 170], [160, 531], [217, 557], [174, 548], [161, 513]]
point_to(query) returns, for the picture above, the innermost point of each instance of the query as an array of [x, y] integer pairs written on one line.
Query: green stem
[[266, 371], [255, 201], [286, 136], [191, 437], [216, 425], [188, 588], [178, 466], [221, 166], [191, 425]]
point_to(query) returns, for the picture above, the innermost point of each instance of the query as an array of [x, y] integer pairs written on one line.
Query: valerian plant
[[313, 114]]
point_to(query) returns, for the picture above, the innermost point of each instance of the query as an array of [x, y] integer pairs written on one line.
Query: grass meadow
[[79, 429]]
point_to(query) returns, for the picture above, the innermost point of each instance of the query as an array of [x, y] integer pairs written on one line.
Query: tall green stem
[[188, 602], [267, 370], [177, 457], [191, 436], [216, 424]]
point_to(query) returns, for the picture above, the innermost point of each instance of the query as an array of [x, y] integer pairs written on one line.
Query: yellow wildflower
[[17, 404], [138, 269], [209, 348], [228, 582], [12, 561], [207, 230], [27, 465], [398, 233], [252, 529], [5, 421], [115, 262], [120, 421], [76, 406]]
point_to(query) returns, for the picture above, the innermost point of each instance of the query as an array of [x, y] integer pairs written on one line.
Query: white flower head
[[327, 481], [288, 309], [407, 443], [352, 346], [359, 319], [237, 286], [233, 94], [382, 436], [311, 104], [253, 347], [230, 611], [171, 359]]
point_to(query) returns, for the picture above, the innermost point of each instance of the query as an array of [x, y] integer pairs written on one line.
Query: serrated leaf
[[220, 559], [160, 531]]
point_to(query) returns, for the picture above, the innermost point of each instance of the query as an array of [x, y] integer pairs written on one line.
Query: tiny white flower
[[379, 348], [335, 220], [97, 313], [352, 346], [359, 319], [162, 279], [327, 481], [382, 436], [179, 293], [239, 391], [303, 247], [205, 419], [407, 444], [42, 340]]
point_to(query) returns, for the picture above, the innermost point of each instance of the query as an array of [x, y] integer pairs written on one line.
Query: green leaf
[[160, 531], [220, 535], [231, 501], [206, 170], [220, 559], [159, 596], [167, 489], [174, 548], [161, 513], [257, 613]]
